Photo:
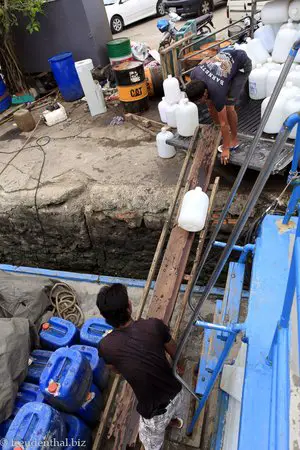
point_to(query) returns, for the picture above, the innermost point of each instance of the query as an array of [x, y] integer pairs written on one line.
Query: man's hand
[[225, 156]]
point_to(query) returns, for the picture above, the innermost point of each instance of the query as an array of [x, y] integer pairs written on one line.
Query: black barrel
[[132, 86]]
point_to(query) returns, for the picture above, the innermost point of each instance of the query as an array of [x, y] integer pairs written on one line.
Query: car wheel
[[206, 7], [116, 24], [160, 8]]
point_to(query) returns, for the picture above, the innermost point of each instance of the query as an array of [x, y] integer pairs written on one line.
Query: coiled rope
[[65, 303]]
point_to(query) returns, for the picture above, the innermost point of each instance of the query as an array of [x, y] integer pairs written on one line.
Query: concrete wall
[[78, 26]]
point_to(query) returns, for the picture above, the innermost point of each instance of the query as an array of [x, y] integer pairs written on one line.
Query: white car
[[124, 12]]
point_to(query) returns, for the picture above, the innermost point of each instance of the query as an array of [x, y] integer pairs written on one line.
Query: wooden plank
[[180, 242]]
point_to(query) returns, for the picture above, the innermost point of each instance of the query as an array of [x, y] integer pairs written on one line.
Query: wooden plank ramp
[[124, 428]]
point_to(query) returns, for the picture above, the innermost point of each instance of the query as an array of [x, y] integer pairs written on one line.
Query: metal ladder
[[232, 330]]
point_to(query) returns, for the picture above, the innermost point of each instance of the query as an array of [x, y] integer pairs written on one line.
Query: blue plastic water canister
[[38, 362], [79, 435], [93, 330], [58, 333], [28, 392], [100, 371], [34, 424], [66, 380], [66, 77], [5, 98], [90, 410]]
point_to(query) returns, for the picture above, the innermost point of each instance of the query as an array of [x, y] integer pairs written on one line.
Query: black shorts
[[238, 84]]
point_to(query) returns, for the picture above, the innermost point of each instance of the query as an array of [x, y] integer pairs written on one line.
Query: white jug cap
[[198, 188], [258, 66], [164, 129], [270, 60], [248, 39], [184, 101], [170, 76]]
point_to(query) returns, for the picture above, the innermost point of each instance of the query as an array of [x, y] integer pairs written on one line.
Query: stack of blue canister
[[63, 387]]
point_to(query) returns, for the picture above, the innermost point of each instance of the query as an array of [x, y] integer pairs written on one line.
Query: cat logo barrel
[[132, 86]]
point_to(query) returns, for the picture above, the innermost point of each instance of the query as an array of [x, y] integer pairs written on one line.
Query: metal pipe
[[212, 380], [238, 248], [250, 152], [283, 391], [247, 249], [222, 328], [252, 199]]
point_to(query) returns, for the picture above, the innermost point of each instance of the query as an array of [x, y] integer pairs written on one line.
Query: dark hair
[[195, 89], [113, 304]]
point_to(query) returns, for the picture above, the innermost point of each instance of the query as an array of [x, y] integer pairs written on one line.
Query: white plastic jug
[[290, 107], [266, 35], [271, 65], [193, 211], [294, 10], [162, 106], [272, 79], [294, 77], [171, 115], [172, 90], [289, 91], [165, 150], [295, 25], [187, 118], [92, 89], [284, 40], [250, 55], [276, 27], [258, 82], [275, 11], [258, 51]]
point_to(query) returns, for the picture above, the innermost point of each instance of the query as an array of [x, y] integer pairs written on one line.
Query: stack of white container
[[177, 112], [269, 49]]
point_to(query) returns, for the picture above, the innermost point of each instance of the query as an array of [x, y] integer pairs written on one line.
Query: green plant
[[10, 10]]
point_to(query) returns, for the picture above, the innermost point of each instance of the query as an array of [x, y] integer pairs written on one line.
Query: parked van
[[237, 9]]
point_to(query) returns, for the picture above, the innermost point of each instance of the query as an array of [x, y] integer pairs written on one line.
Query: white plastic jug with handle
[[244, 47], [266, 35], [284, 40], [258, 82], [276, 27], [171, 115], [172, 90], [193, 210], [165, 150], [92, 89], [270, 65], [187, 118], [290, 107], [294, 77], [162, 106], [275, 120], [294, 10], [272, 79], [275, 11], [256, 48]]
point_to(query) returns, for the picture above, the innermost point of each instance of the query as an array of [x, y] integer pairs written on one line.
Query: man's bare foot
[[176, 422]]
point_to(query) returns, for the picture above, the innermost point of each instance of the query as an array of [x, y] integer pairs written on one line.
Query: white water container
[[272, 79], [162, 106], [294, 10], [294, 77], [295, 25], [292, 106], [92, 89], [284, 40], [258, 82], [172, 90], [193, 211], [165, 150], [274, 11], [258, 51], [266, 35], [187, 118], [271, 65], [244, 47], [171, 115], [276, 27]]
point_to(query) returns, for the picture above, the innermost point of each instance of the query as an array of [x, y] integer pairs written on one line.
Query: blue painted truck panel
[[93, 330], [66, 380], [34, 424], [58, 333], [100, 371], [39, 359]]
